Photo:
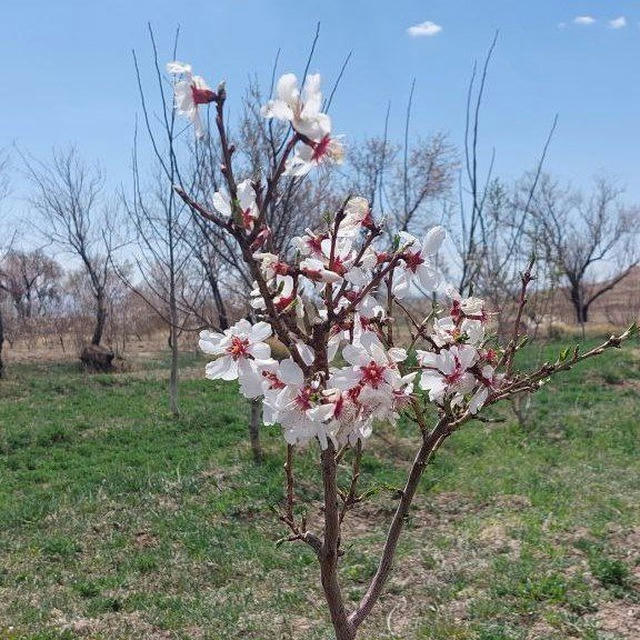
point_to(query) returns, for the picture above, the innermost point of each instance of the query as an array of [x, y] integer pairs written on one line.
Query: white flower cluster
[[336, 383]]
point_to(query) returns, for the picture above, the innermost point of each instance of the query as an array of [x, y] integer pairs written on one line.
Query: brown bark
[[254, 429], [344, 629], [173, 375], [101, 318], [1, 345], [430, 443]]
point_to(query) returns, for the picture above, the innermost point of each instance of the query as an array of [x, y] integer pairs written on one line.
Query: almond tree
[[342, 292]]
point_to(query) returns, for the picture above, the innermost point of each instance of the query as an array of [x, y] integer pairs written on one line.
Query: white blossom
[[235, 348], [447, 373], [190, 92], [247, 206], [302, 110], [418, 261], [298, 407]]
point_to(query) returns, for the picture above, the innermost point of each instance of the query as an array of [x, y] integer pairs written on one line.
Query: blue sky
[[69, 75]]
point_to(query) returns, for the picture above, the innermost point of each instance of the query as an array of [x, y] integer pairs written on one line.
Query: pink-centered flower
[[302, 109], [310, 244], [312, 153], [418, 262], [235, 348], [189, 93], [447, 373], [299, 407], [271, 265], [357, 217], [247, 207]]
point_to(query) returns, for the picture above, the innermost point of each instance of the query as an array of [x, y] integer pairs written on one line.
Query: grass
[[119, 521]]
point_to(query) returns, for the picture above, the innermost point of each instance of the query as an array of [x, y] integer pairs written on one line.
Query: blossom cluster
[[331, 302]]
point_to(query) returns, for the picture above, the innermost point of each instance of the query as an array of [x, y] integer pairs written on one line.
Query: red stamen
[[456, 375], [238, 348], [339, 407], [456, 311], [274, 381], [320, 148], [281, 268], [413, 260], [247, 219], [283, 302], [202, 96], [338, 266], [354, 393], [303, 399], [315, 244], [368, 222], [372, 374]]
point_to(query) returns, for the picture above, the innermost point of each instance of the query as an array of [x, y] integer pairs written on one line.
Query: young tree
[[586, 238], [491, 242], [68, 194], [161, 222], [331, 295], [7, 238]]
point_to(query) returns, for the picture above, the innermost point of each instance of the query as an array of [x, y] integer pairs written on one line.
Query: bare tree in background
[[160, 219], [69, 196], [160, 223], [32, 281], [590, 239], [492, 244], [404, 182], [6, 240], [473, 190]]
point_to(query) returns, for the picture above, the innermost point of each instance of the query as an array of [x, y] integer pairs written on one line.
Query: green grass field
[[118, 521]]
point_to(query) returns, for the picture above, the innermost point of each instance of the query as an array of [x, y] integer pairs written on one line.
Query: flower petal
[[260, 331], [222, 204], [433, 240], [225, 368], [291, 373]]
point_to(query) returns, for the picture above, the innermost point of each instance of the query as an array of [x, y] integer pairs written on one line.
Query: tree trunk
[[328, 555], [430, 443], [173, 376], [223, 320], [101, 317], [254, 429], [584, 314], [1, 345], [580, 308]]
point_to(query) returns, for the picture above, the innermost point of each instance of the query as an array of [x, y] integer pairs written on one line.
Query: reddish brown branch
[[350, 498], [508, 355], [430, 443]]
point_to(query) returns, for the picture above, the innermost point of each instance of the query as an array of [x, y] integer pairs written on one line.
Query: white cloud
[[427, 28], [584, 20], [618, 23], [562, 25]]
